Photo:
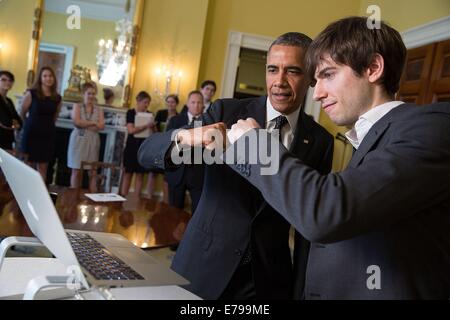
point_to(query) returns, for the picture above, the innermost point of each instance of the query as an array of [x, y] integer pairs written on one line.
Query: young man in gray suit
[[381, 228], [236, 245]]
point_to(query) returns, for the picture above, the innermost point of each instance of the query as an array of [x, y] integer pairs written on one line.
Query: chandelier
[[113, 56]]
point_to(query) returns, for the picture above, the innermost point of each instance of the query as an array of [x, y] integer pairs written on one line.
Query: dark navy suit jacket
[[178, 175], [380, 229]]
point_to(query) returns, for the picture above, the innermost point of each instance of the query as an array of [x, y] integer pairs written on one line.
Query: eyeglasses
[[6, 80]]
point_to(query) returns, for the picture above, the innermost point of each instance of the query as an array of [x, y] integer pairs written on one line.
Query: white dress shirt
[[367, 120], [288, 130], [190, 117]]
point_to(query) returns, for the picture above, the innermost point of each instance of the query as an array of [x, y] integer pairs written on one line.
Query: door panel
[[415, 80], [439, 89]]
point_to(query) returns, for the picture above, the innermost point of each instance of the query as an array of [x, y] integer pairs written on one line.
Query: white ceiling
[[108, 10]]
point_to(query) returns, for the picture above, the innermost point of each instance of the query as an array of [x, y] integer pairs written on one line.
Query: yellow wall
[[195, 32], [310, 17], [256, 16], [85, 41], [170, 28], [15, 34], [406, 14]]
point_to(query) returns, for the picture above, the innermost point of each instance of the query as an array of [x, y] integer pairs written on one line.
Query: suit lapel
[[303, 139], [374, 134], [185, 119], [256, 110]]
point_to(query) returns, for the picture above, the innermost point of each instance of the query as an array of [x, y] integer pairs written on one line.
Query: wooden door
[[414, 84], [439, 89]]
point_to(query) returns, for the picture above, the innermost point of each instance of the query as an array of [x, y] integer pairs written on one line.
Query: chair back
[[108, 174]]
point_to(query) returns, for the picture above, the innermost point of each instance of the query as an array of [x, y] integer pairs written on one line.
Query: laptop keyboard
[[96, 259]]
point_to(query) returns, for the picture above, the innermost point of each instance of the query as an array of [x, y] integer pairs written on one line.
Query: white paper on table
[[104, 197], [141, 119]]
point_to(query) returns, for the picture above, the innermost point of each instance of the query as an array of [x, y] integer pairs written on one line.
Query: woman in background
[[9, 119], [163, 116], [108, 96], [84, 142], [42, 104], [161, 119], [130, 161]]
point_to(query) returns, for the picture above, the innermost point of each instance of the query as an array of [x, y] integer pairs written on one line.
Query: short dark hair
[[351, 42], [143, 95], [108, 93], [207, 83], [194, 92], [174, 97], [8, 74], [292, 39]]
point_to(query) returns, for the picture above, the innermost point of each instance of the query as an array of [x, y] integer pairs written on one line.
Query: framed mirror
[[85, 40]]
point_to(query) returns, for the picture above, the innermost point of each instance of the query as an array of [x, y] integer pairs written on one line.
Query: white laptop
[[105, 259]]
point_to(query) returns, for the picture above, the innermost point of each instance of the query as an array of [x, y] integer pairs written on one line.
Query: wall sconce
[[164, 79], [1, 52], [3, 46], [3, 43]]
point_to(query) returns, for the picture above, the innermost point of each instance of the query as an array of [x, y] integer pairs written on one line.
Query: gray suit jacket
[[386, 217]]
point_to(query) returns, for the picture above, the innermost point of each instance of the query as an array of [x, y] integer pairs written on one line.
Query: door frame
[[433, 31], [238, 40]]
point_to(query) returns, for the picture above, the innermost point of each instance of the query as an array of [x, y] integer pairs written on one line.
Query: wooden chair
[[107, 174]]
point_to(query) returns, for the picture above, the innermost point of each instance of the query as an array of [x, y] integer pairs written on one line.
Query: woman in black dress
[[42, 104], [9, 119], [130, 161], [163, 116]]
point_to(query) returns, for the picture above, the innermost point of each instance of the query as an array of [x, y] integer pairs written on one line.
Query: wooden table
[[145, 222]]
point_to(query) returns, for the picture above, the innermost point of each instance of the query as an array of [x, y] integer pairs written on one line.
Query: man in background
[[208, 90], [188, 177]]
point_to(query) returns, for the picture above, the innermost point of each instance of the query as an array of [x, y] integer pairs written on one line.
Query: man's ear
[[376, 68], [311, 82]]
